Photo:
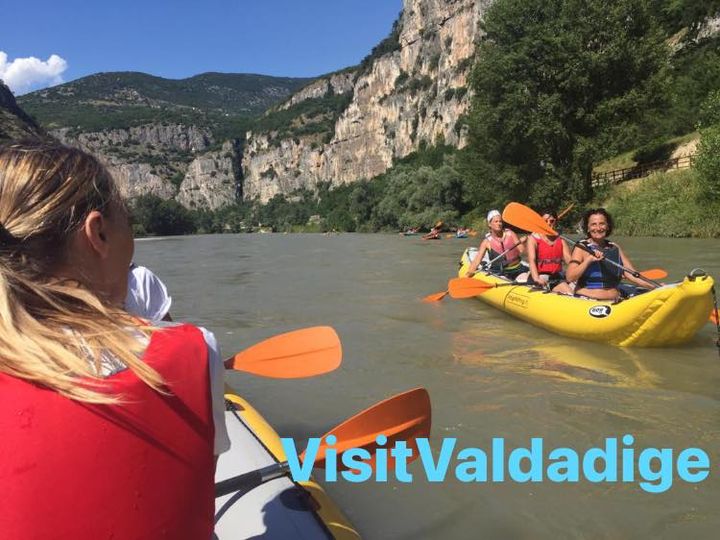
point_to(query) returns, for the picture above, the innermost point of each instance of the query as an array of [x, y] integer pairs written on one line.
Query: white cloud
[[25, 74]]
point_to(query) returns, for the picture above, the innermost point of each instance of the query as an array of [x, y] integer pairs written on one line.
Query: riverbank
[[665, 204]]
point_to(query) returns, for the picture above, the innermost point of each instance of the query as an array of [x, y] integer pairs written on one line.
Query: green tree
[[416, 198], [707, 161], [558, 85], [157, 216]]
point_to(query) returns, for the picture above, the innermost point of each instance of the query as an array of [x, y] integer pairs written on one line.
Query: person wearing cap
[[503, 248]]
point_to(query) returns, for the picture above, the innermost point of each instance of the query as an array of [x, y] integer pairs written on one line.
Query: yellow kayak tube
[[279, 508], [666, 316]]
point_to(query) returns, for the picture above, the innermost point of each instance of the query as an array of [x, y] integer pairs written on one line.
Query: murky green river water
[[488, 375]]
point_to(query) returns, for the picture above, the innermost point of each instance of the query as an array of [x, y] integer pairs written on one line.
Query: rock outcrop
[[14, 122], [414, 94], [170, 161], [211, 179], [337, 83], [411, 91]]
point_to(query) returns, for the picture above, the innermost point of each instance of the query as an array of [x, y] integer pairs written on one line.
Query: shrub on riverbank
[[667, 204]]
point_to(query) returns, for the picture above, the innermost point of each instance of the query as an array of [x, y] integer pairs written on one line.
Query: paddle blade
[[467, 287], [526, 219], [436, 297], [293, 355], [654, 273], [403, 417]]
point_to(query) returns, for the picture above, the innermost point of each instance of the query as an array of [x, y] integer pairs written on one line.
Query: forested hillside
[[223, 102]]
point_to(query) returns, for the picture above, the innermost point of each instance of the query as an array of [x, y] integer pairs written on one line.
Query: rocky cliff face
[[413, 94], [165, 160], [337, 83], [210, 181]]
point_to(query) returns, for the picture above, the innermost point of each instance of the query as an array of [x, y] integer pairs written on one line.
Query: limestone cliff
[[210, 181], [337, 83], [340, 128], [413, 94], [165, 160]]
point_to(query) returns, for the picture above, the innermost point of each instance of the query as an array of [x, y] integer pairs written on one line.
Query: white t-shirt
[[217, 390], [147, 296]]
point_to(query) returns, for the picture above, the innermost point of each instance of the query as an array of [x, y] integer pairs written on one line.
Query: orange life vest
[[548, 257], [142, 469]]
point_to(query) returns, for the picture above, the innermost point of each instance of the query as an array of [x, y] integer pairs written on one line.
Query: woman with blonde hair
[[109, 426]]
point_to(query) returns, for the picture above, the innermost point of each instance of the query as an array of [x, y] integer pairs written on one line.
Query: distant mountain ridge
[[126, 99]]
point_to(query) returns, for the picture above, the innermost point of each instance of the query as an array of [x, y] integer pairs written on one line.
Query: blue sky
[[53, 41]]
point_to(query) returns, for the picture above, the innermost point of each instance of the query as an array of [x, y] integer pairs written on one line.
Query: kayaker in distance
[[434, 233], [500, 241], [595, 278], [121, 420], [545, 256]]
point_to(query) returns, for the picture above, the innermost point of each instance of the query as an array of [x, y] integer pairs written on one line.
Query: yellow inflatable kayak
[[280, 508], [665, 316]]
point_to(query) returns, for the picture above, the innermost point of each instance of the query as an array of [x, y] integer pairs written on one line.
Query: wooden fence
[[640, 170]]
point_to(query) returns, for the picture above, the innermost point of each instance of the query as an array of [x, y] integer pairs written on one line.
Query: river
[[488, 375]]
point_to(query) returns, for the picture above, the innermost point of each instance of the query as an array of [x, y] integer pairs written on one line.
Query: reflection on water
[[489, 375], [589, 363]]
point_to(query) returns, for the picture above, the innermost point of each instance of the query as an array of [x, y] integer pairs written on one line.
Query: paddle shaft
[[250, 480], [564, 212], [633, 273], [496, 259]]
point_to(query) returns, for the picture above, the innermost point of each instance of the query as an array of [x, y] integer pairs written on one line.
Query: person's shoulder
[[141, 272], [208, 336]]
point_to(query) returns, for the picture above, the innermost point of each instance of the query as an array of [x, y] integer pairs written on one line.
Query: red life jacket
[[548, 257], [142, 469]]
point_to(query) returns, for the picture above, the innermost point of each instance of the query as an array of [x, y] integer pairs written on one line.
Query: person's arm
[[216, 369], [627, 275], [518, 242], [579, 262], [532, 259], [566, 251], [478, 258]]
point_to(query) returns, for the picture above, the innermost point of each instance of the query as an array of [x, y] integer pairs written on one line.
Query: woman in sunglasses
[[595, 277], [546, 255]]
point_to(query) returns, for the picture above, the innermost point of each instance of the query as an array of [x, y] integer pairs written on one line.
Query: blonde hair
[[53, 331]]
